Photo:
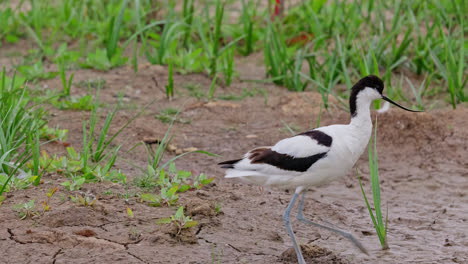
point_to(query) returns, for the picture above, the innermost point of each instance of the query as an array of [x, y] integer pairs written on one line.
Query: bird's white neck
[[360, 128], [362, 118]]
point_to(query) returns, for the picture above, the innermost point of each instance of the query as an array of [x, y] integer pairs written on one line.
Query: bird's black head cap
[[370, 81]]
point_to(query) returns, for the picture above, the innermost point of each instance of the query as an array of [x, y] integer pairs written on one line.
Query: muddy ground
[[423, 162]]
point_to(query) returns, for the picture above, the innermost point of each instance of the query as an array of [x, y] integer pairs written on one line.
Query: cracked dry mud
[[423, 162]]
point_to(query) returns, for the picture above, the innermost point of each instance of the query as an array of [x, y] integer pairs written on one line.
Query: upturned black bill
[[390, 101]]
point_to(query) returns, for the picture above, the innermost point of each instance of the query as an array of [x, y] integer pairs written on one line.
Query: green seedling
[[34, 165], [151, 199], [218, 209], [162, 46], [170, 82], [452, 67], [18, 123], [9, 26], [53, 134], [35, 72], [190, 60], [195, 90], [245, 93], [25, 210], [179, 220], [167, 197], [379, 225], [92, 83], [188, 13], [228, 66], [74, 103], [74, 184], [201, 180], [217, 36], [169, 115], [155, 157], [247, 26], [212, 88], [66, 85], [115, 26], [99, 60], [130, 213], [183, 179], [419, 93], [46, 203], [87, 201]]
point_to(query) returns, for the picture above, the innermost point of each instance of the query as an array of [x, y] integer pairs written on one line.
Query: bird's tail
[[229, 164], [239, 173]]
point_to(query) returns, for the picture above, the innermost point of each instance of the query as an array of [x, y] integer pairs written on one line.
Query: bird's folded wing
[[296, 153]]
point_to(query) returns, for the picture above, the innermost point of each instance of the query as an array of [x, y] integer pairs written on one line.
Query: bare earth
[[423, 163]]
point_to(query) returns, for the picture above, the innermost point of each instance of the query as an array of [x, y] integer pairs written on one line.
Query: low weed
[[179, 220], [46, 203], [26, 210], [54, 134], [74, 184], [66, 85], [35, 72], [170, 82], [99, 60], [169, 115], [86, 200], [171, 183], [18, 124]]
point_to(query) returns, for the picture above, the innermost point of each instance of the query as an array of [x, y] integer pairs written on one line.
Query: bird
[[315, 157]]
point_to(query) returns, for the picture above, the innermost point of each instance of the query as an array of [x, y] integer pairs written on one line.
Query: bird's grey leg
[[287, 223], [345, 234]]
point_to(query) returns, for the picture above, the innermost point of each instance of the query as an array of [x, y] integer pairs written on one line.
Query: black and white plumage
[[315, 157]]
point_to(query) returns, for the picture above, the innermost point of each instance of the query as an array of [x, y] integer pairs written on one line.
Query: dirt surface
[[423, 163]]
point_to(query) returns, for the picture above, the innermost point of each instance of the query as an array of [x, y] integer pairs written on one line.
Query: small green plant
[[217, 36], [167, 197], [245, 93], [169, 115], [130, 213], [188, 13], [115, 26], [87, 200], [379, 225], [170, 82], [66, 85], [195, 90], [74, 184], [218, 209], [25, 210], [92, 83], [212, 88], [179, 220], [18, 124], [171, 182], [84, 102], [201, 180], [228, 66], [162, 45], [248, 24], [35, 72], [99, 60], [55, 134], [46, 203]]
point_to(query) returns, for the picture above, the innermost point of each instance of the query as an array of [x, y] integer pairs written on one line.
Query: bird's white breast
[[349, 142]]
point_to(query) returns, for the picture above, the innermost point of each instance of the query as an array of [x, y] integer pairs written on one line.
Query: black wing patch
[[283, 161], [229, 164], [321, 138]]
